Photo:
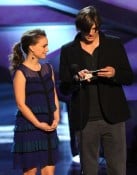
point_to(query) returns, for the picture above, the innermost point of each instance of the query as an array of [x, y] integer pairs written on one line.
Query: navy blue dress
[[33, 147]]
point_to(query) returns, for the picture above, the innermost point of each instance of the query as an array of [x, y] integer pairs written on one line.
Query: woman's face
[[91, 36], [40, 49]]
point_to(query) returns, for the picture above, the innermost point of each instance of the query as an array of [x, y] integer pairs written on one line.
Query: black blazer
[[111, 95]]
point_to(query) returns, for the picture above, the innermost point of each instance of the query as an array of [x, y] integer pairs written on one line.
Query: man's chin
[[89, 41]]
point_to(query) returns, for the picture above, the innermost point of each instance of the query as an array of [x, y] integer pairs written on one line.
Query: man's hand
[[85, 75], [108, 72]]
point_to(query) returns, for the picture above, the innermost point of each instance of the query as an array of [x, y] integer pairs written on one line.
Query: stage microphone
[[74, 71]]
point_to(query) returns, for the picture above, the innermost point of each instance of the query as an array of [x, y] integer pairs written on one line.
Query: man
[[98, 107]]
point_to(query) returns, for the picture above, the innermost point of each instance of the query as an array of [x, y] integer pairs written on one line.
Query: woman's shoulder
[[19, 69], [47, 67]]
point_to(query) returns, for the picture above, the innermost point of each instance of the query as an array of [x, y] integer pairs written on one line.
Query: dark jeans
[[113, 140]]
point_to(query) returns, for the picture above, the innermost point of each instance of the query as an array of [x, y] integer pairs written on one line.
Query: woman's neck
[[32, 63]]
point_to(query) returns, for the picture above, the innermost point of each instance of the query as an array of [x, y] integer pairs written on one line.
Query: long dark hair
[[86, 18], [20, 49]]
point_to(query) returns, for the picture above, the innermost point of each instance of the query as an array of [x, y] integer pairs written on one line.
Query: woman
[[35, 136]]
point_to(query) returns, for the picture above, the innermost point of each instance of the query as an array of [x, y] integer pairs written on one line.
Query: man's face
[[90, 37]]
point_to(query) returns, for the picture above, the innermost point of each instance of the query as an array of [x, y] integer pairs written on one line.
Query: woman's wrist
[[56, 121], [37, 124]]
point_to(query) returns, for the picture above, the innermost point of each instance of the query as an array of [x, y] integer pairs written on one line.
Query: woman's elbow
[[20, 106]]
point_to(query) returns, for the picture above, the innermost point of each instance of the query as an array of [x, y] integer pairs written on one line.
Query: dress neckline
[[32, 69]]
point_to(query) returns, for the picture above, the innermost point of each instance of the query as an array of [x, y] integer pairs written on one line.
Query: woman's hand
[[54, 124], [45, 126]]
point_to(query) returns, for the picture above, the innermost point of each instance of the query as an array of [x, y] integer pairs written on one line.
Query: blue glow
[[57, 34], [48, 3], [6, 133], [20, 2]]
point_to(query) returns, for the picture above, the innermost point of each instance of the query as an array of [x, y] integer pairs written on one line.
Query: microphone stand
[[77, 79], [81, 135]]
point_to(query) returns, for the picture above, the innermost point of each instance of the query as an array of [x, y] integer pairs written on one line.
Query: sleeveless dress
[[33, 147]]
